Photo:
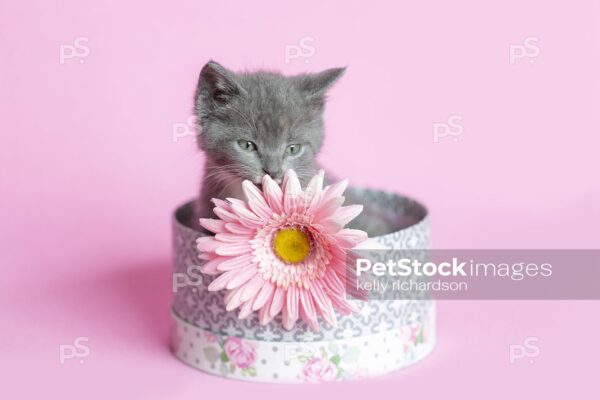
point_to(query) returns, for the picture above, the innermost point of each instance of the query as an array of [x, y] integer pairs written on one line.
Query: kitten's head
[[260, 123]]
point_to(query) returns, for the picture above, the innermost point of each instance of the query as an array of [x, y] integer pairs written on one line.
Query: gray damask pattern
[[195, 304]]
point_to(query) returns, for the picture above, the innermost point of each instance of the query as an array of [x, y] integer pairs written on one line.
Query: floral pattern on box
[[303, 362]]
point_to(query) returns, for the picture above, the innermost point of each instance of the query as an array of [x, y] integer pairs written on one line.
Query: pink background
[[89, 173]]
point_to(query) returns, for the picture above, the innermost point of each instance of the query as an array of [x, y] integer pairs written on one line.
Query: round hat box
[[384, 336]]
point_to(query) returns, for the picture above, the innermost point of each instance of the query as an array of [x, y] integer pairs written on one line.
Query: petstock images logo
[[474, 274]]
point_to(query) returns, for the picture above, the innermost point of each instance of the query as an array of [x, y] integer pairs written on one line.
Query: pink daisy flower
[[283, 250]]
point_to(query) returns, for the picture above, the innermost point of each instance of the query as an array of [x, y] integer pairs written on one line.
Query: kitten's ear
[[316, 85], [216, 87]]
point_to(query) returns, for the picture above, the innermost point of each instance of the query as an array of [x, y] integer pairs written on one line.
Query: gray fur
[[269, 109]]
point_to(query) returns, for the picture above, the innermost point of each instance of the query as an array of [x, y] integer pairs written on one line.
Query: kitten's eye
[[293, 149], [247, 145]]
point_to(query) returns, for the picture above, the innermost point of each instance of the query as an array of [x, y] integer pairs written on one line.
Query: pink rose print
[[415, 328], [241, 354], [412, 335], [319, 370], [410, 332]]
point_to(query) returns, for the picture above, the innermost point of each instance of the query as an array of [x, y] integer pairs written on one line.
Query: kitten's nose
[[273, 173]]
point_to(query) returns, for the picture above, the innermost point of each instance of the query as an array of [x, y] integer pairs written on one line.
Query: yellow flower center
[[291, 245]]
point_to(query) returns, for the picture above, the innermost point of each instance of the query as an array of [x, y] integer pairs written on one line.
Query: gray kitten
[[258, 123]]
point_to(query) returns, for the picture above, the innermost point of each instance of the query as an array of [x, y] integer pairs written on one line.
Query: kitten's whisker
[[217, 170]]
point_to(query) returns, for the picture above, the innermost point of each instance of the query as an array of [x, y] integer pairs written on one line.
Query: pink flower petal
[[235, 227], [235, 262], [335, 190], [332, 282], [210, 267], [314, 192], [225, 278], [207, 256], [307, 308], [349, 238], [273, 194], [286, 320], [286, 176], [221, 204], [246, 309], [323, 303], [312, 324], [208, 244], [221, 281], [318, 295], [213, 225], [252, 287], [237, 202], [233, 249], [291, 191], [227, 216], [233, 299], [256, 201], [328, 226], [264, 316], [246, 215], [341, 254], [315, 185], [291, 307], [232, 237], [278, 301], [264, 296], [328, 208], [252, 192], [339, 267], [263, 211], [346, 214], [241, 277]]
